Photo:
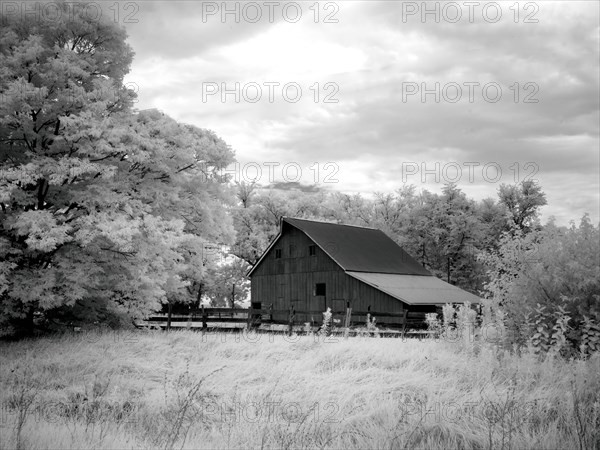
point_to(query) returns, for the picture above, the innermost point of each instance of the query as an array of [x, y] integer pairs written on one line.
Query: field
[[185, 390]]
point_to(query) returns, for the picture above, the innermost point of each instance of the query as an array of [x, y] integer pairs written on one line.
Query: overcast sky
[[478, 94]]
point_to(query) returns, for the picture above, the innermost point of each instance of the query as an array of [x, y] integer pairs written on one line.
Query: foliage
[[258, 216], [590, 337], [371, 325], [433, 324], [448, 316], [541, 333], [522, 202], [549, 276], [325, 329], [540, 340], [558, 339], [105, 210], [227, 282]]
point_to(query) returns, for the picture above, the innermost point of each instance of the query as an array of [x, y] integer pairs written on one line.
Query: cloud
[[295, 186], [374, 124]]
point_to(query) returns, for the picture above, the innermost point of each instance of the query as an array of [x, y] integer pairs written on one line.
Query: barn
[[313, 265]]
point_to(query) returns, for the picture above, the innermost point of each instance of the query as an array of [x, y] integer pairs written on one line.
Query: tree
[[257, 225], [350, 209], [553, 267], [104, 211], [523, 202], [446, 230], [245, 191], [492, 216], [253, 233], [228, 285]]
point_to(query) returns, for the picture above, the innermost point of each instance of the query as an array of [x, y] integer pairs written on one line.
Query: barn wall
[[290, 281]]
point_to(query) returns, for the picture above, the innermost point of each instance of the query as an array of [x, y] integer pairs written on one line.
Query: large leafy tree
[[443, 233], [105, 211]]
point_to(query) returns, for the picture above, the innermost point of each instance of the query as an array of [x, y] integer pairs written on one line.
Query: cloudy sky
[[363, 96]]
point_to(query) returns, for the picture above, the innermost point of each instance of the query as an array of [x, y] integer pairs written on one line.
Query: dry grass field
[[184, 390]]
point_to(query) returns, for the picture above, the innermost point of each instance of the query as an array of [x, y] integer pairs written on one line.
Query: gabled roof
[[359, 249]]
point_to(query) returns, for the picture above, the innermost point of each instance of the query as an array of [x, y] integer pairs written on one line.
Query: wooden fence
[[346, 321]]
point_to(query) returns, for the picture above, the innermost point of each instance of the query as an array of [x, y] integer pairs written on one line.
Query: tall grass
[[185, 390]]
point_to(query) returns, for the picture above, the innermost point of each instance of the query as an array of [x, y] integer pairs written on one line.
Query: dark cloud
[[184, 29], [295, 186]]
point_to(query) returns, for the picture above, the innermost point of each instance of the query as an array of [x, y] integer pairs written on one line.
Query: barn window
[[312, 250], [277, 253], [320, 289]]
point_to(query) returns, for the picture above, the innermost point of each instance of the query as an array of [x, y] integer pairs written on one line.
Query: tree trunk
[[41, 194], [29, 323]]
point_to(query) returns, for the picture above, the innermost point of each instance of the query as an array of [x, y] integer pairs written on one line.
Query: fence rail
[[228, 318]]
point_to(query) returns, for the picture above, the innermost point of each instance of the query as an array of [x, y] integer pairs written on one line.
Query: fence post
[[169, 315], [204, 316], [404, 319], [188, 325], [291, 320], [249, 324], [271, 312], [347, 322]]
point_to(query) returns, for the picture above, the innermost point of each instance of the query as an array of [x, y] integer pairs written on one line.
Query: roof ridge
[[333, 223], [391, 273]]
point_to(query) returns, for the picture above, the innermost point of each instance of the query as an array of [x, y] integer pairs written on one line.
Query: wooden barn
[[313, 265]]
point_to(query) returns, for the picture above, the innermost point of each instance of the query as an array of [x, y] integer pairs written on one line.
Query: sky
[[366, 96]]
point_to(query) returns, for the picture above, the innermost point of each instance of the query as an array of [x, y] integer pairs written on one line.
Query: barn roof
[[359, 249], [416, 290]]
